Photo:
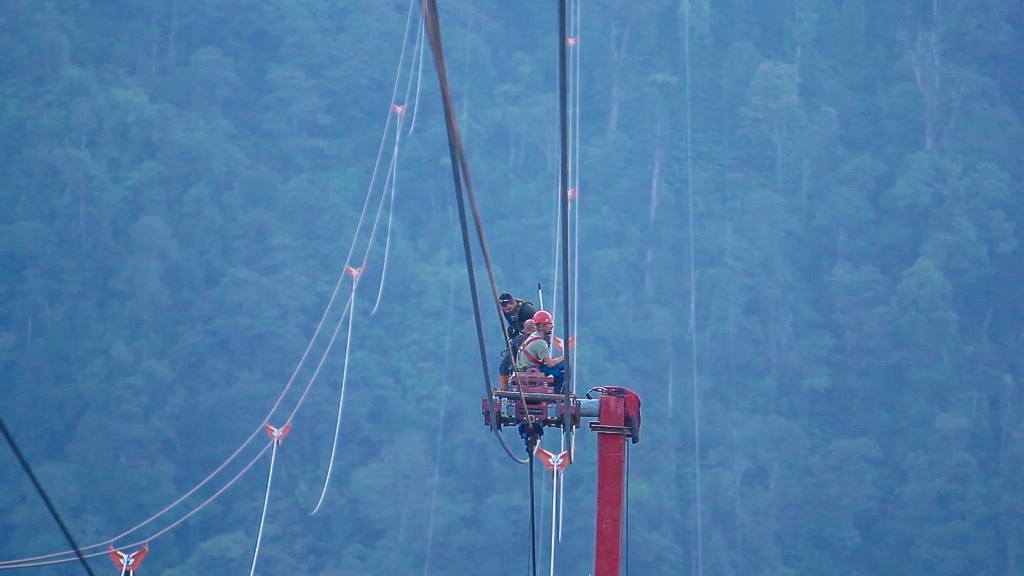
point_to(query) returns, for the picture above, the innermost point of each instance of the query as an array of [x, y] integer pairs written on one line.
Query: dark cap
[[505, 298]]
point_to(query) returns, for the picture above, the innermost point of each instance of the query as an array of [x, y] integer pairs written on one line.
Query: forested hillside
[[180, 181]]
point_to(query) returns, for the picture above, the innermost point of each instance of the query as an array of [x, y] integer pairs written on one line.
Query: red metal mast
[[617, 414], [611, 466]]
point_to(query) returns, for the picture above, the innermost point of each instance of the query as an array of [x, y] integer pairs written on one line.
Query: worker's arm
[[552, 362]]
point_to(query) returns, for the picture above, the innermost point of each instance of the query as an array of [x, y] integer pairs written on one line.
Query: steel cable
[[263, 515], [20, 562], [460, 170], [42, 494], [533, 520]]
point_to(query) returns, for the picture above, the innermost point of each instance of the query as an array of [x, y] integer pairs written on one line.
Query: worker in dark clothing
[[517, 313]]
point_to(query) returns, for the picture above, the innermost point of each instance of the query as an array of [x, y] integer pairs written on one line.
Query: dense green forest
[[180, 181]]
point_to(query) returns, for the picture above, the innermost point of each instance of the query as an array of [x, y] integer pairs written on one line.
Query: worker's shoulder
[[535, 343]]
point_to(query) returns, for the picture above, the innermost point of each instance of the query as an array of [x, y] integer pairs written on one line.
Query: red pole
[[611, 465]]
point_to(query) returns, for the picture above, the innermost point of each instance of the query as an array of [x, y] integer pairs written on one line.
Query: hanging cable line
[[277, 437], [441, 410], [419, 73], [400, 110], [35, 562], [292, 378], [42, 494], [563, 105], [693, 296], [346, 312], [533, 521], [460, 172], [341, 404]]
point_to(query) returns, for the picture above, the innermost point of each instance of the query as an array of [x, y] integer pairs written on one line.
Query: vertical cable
[[419, 77], [263, 515], [341, 400], [533, 520], [693, 297], [555, 501], [444, 390], [563, 192]]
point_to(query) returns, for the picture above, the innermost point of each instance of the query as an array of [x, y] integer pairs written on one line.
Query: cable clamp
[[278, 434], [128, 562]]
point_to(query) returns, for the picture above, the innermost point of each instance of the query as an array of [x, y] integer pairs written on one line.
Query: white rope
[[263, 515], [389, 179], [419, 75], [555, 500], [33, 564], [330, 344], [383, 139], [392, 177], [18, 562], [341, 404]]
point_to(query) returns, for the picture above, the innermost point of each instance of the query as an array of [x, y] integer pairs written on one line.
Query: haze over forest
[[181, 180]]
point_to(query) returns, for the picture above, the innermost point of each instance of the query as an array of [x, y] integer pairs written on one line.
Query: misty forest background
[[179, 185]]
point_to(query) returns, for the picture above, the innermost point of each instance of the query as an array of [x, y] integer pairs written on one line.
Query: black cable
[[42, 494], [533, 521], [460, 170], [563, 191]]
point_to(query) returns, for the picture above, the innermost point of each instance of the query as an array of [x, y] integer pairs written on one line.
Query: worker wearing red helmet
[[534, 351]]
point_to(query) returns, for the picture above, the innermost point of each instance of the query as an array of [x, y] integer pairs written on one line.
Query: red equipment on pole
[[611, 466], [618, 417]]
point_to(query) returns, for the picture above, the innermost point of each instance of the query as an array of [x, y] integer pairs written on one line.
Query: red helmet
[[543, 317]]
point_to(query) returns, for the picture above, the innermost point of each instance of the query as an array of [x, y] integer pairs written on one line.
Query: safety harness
[[522, 349]]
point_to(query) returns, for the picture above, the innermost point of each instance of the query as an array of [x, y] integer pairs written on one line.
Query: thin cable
[[42, 494], [460, 170], [380, 151], [393, 175], [557, 257], [172, 505], [555, 500], [263, 515], [291, 380], [533, 521], [440, 416], [419, 76], [156, 535], [399, 112], [561, 493], [563, 105], [341, 404], [576, 258], [347, 311], [693, 296], [206, 502], [576, 184]]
